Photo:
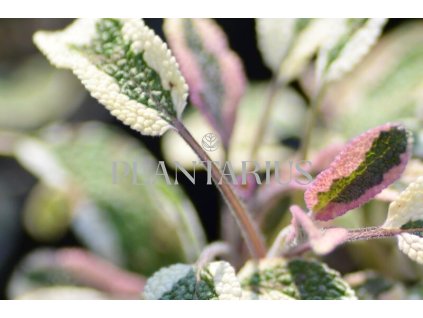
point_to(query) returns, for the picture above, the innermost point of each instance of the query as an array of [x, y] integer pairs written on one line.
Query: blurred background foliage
[[58, 146]]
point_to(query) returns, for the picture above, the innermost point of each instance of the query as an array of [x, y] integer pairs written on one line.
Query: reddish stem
[[249, 231], [368, 233]]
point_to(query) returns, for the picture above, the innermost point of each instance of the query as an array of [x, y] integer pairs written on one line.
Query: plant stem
[[367, 233], [264, 120], [311, 121], [212, 251], [370, 233], [250, 233]]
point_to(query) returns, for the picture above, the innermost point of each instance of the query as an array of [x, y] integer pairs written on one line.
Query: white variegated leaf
[[125, 66], [412, 246], [216, 280], [351, 41], [307, 42], [276, 278], [287, 45], [221, 275], [165, 282], [406, 212]]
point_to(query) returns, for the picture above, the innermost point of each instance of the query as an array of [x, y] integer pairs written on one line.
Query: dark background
[[15, 182]]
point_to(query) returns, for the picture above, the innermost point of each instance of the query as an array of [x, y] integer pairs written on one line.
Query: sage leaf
[[288, 45], [367, 165], [345, 50], [385, 86], [295, 279], [213, 71], [128, 215], [406, 212], [370, 285], [216, 280], [124, 65]]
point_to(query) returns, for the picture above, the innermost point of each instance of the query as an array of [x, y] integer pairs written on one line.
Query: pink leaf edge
[[343, 165]]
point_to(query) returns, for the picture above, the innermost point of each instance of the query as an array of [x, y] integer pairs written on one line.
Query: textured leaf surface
[[222, 279], [411, 173], [296, 279], [217, 280], [140, 227], [343, 52], [367, 165], [406, 212], [173, 282], [213, 71], [125, 66]]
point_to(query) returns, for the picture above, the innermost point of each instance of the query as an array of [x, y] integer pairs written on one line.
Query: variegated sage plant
[[146, 85]]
